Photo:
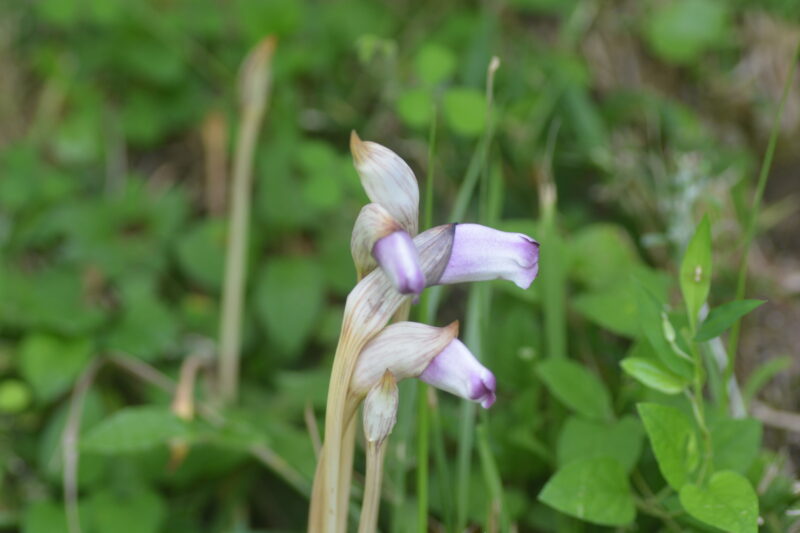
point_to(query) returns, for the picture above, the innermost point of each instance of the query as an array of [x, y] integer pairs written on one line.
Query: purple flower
[[435, 355], [456, 371], [399, 259], [480, 253]]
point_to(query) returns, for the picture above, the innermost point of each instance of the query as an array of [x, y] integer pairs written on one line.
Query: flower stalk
[[255, 81]]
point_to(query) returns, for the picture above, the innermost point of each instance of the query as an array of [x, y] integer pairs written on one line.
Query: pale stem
[[235, 259], [372, 487], [69, 446]]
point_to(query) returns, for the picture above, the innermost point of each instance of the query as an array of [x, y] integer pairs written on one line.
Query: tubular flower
[[456, 370], [393, 263]]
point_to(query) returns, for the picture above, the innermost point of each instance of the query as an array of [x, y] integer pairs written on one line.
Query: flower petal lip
[[405, 349], [373, 223], [481, 253], [457, 371], [399, 259], [388, 180]]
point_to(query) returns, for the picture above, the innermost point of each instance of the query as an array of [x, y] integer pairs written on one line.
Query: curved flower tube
[[481, 254], [457, 371]]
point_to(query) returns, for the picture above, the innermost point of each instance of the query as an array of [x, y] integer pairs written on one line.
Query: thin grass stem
[[750, 230]]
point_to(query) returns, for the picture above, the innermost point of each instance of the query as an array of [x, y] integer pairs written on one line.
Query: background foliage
[[117, 120]]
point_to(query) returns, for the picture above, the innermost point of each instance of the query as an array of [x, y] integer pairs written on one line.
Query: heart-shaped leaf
[[728, 502], [595, 490]]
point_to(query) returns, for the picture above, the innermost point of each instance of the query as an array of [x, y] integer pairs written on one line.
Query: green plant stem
[[491, 475], [442, 469], [425, 316], [750, 231], [423, 423], [466, 431]]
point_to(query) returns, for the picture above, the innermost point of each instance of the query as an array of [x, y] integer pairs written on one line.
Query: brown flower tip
[[357, 147]]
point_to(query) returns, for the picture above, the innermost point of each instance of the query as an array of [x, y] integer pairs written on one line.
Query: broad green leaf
[[727, 502], [652, 374], [595, 490], [582, 439], [51, 364], [736, 443], [681, 30], [695, 275], [465, 110], [721, 318], [289, 297], [602, 254], [134, 429], [673, 439], [763, 374], [576, 387], [434, 64], [651, 324], [614, 306]]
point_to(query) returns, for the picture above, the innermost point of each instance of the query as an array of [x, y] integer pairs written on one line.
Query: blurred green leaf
[[45, 517], [652, 374], [727, 502], [141, 511], [51, 364], [673, 439], [763, 374], [415, 107], [595, 490], [721, 318], [576, 387], [289, 296], [49, 299], [465, 110], [134, 429], [736, 443], [581, 439], [681, 30], [201, 252], [434, 64], [695, 275], [147, 328], [602, 254], [15, 396]]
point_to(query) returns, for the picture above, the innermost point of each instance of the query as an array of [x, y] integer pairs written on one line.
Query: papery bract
[[405, 349], [388, 180]]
